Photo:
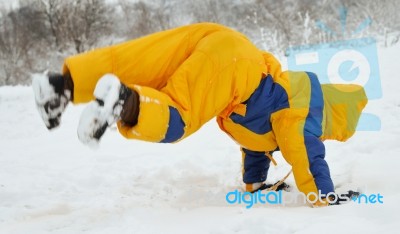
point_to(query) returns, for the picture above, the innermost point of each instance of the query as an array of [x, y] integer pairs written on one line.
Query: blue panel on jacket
[[175, 126], [313, 125], [268, 98], [312, 131]]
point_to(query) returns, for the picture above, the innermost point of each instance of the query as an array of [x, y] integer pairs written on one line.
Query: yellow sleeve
[[298, 130], [288, 127]]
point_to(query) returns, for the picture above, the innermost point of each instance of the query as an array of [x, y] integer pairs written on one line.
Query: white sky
[[8, 3]]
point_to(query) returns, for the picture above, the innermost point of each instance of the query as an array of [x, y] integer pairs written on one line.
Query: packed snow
[[50, 182]]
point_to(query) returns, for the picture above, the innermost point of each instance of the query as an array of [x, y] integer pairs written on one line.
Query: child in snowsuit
[[165, 86]]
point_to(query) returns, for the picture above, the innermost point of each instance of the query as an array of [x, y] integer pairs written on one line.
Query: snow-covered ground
[[50, 182]]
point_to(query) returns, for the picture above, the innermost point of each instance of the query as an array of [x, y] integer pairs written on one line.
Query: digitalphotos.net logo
[[353, 61], [279, 198]]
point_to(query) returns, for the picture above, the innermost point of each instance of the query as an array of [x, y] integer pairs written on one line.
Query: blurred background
[[36, 35]]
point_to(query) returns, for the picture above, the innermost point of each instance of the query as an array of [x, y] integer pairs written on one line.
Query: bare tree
[[40, 33], [85, 22], [142, 18], [16, 42], [52, 12]]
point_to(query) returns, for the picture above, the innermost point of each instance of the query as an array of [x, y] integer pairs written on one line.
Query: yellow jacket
[[189, 75], [202, 69]]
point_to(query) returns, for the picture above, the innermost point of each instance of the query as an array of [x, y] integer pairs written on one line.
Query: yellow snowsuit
[[189, 75]]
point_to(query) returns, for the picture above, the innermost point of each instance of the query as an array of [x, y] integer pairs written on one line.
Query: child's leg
[[255, 168], [158, 119], [211, 80]]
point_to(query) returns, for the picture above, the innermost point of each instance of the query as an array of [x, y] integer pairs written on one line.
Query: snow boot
[[52, 92], [114, 101], [263, 186], [340, 199]]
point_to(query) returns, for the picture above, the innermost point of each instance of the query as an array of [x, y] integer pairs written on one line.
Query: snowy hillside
[[50, 182]]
